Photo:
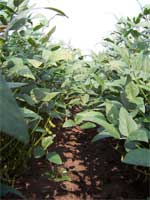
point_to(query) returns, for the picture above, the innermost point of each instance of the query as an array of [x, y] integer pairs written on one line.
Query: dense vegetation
[[41, 82]]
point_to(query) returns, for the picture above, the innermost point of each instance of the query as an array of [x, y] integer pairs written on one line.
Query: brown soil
[[95, 170]]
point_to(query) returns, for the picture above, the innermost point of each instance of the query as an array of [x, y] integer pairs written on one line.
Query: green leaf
[[54, 157], [87, 125], [139, 157], [139, 101], [30, 114], [131, 145], [69, 123], [17, 24], [110, 129], [101, 136], [5, 189], [18, 2], [32, 42], [126, 124], [15, 84], [90, 115], [112, 111], [5, 7], [11, 118], [47, 141], [38, 152], [39, 26], [131, 90], [20, 69], [48, 35], [3, 20], [139, 135], [56, 10], [41, 94], [85, 99], [35, 63], [97, 118]]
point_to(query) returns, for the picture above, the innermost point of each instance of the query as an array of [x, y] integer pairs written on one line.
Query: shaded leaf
[[11, 118], [5, 189], [38, 152], [101, 136], [139, 157]]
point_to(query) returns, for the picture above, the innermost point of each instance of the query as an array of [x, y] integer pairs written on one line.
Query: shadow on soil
[[95, 170]]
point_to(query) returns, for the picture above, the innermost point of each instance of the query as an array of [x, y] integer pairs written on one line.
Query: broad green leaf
[[26, 98], [35, 63], [41, 94], [87, 125], [97, 118], [5, 189], [140, 103], [30, 114], [145, 87], [38, 152], [116, 65], [47, 141], [101, 136], [75, 101], [131, 145], [11, 118], [85, 99], [54, 157], [15, 84], [139, 135], [139, 157], [126, 124], [90, 115], [112, 111], [55, 56], [110, 128], [20, 69], [69, 123], [131, 90], [123, 52], [17, 24]]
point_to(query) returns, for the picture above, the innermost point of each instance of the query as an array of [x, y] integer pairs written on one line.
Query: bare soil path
[[95, 170]]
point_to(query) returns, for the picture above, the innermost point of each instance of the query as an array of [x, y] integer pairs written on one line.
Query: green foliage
[[54, 157], [11, 118], [43, 81], [28, 96], [117, 84]]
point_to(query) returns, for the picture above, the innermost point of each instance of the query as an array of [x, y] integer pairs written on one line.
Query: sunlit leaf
[[126, 124], [54, 157]]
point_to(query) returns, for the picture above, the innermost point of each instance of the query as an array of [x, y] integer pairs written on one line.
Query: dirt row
[[95, 171]]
